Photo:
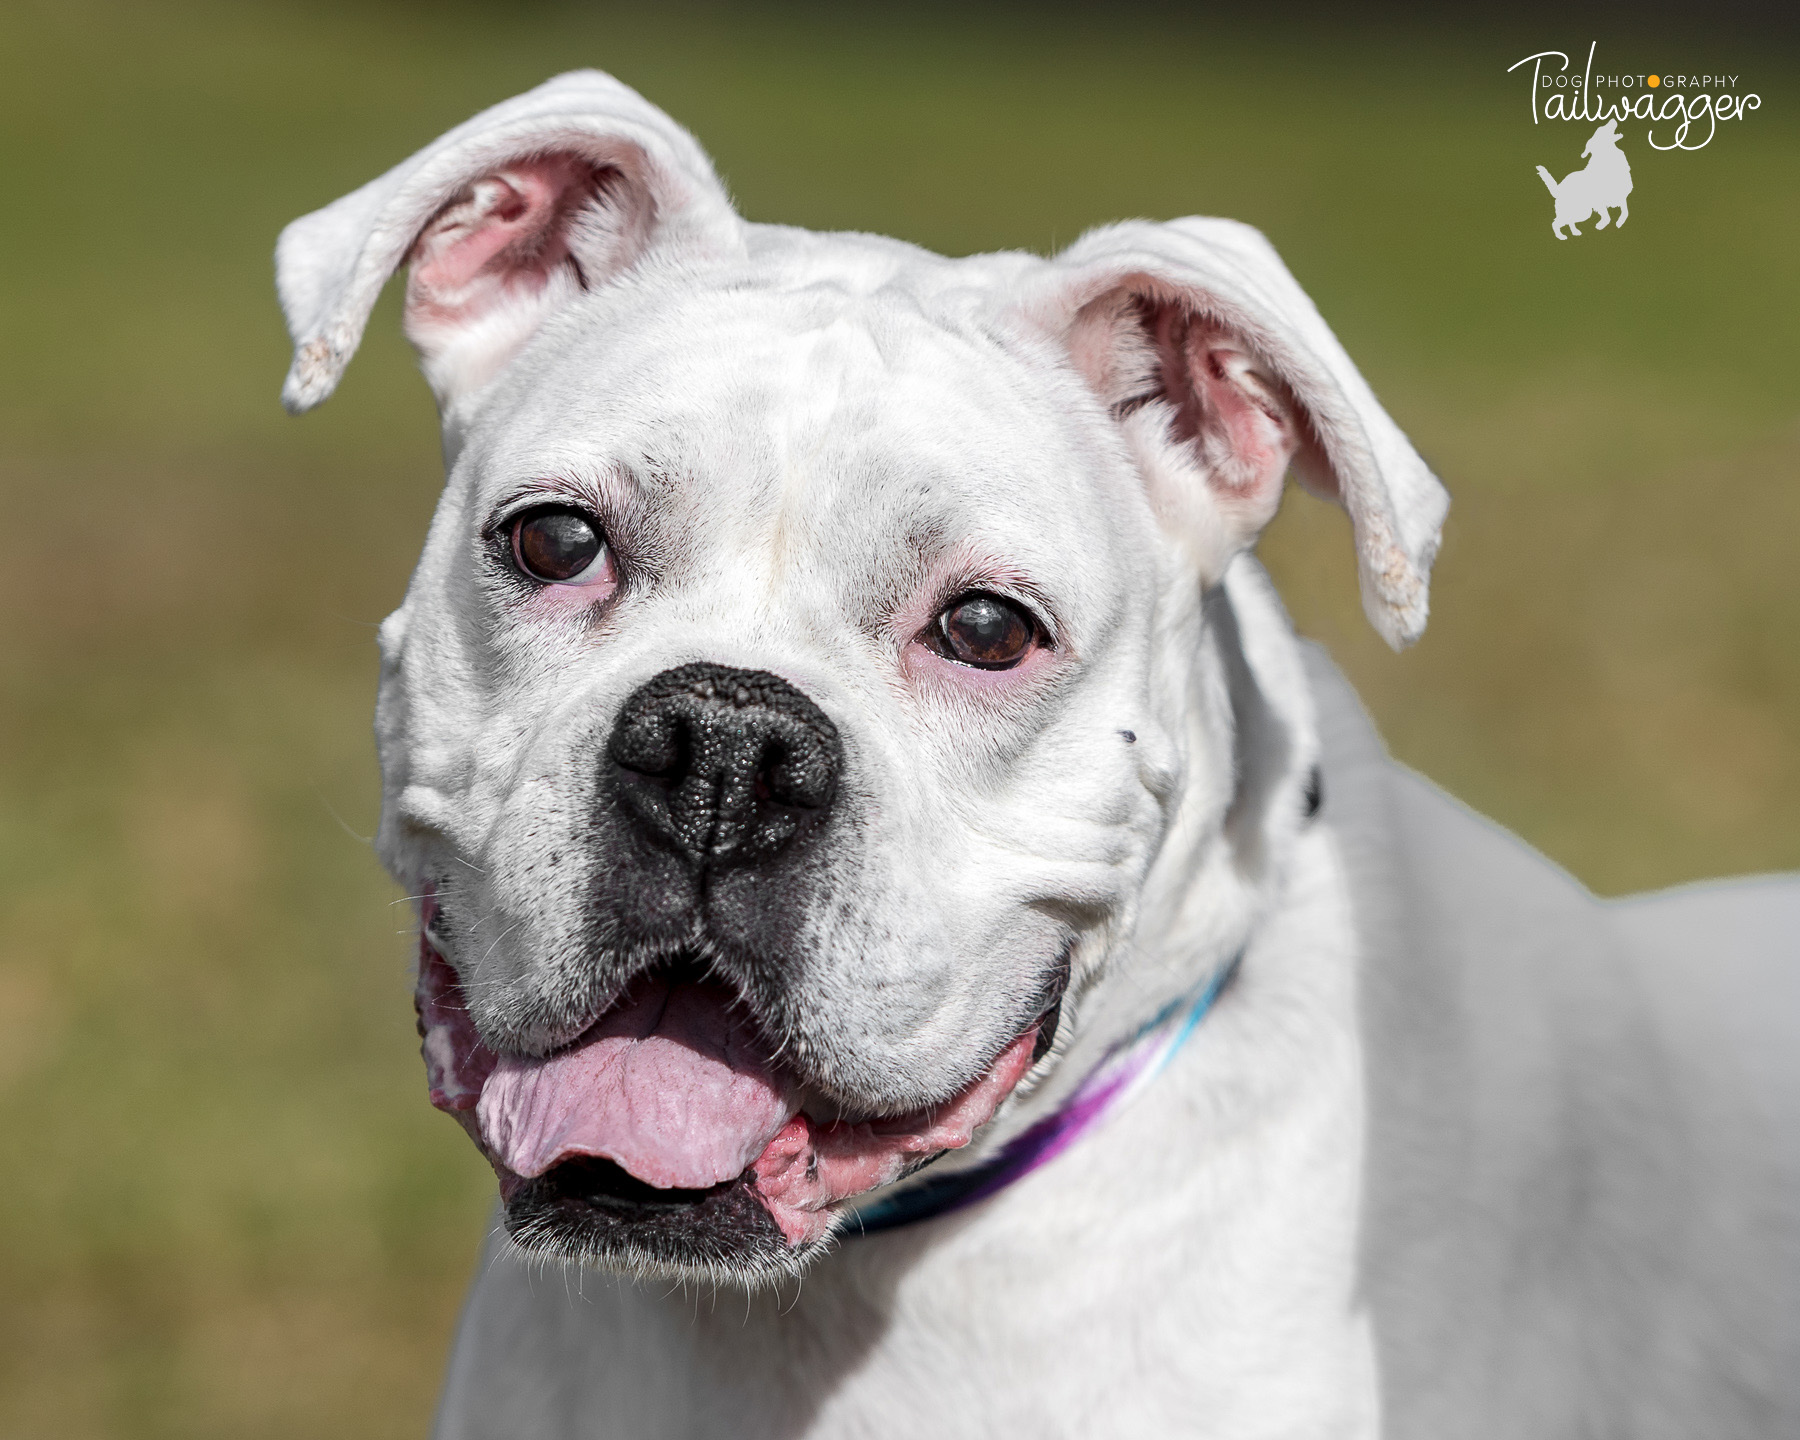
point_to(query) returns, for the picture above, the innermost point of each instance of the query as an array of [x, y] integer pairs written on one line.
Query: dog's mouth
[[668, 1136]]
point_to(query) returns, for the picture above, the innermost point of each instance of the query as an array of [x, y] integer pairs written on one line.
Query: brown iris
[[985, 631], [556, 544]]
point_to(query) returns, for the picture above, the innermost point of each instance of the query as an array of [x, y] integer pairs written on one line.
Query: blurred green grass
[[228, 1210]]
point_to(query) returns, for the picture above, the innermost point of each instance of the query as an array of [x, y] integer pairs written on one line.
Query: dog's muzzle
[[673, 1133]]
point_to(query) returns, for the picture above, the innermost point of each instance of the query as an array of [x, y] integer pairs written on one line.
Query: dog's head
[[1606, 138], [806, 663]]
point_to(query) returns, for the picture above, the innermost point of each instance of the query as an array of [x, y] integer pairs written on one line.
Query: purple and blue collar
[[1123, 1072]]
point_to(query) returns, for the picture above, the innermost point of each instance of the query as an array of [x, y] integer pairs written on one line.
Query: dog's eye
[[985, 631], [556, 545]]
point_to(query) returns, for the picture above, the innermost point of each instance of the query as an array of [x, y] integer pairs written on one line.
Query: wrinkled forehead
[[818, 427]]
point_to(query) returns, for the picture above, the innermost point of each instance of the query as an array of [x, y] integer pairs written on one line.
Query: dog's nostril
[[650, 747], [796, 777], [771, 782], [767, 783]]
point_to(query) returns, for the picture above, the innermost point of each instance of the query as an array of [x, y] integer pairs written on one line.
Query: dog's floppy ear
[[504, 220], [1222, 373]]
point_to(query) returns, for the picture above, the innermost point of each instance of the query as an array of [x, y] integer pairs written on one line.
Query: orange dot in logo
[[1654, 80]]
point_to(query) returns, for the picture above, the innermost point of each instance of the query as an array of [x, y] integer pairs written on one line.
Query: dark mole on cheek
[[1130, 736]]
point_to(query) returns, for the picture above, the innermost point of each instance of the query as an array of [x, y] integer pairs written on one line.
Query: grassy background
[[227, 1209]]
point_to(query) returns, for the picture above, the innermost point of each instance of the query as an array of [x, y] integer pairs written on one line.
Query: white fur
[[798, 441]]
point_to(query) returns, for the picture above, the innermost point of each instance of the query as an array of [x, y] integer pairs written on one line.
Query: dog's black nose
[[723, 765]]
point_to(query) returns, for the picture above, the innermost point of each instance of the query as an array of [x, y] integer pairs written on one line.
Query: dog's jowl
[[908, 923]]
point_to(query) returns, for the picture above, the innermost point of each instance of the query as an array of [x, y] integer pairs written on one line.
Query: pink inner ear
[[1232, 408], [507, 231]]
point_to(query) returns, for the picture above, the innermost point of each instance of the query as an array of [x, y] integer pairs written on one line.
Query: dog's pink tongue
[[668, 1085]]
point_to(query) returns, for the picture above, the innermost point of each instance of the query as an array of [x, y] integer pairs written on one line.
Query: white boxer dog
[[911, 928]]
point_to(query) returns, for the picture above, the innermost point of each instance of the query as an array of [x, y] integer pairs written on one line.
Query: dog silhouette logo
[[1599, 186]]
